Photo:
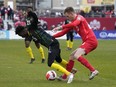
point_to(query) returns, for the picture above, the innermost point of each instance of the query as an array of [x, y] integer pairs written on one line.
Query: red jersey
[[80, 25]]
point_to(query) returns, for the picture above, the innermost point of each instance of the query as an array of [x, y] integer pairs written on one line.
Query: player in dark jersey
[[31, 15], [39, 35], [69, 37], [27, 45], [31, 19], [29, 50]]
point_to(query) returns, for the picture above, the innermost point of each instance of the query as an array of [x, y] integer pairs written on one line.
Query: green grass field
[[15, 70]]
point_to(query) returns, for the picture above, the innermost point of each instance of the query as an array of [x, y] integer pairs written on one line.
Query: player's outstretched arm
[[61, 33]]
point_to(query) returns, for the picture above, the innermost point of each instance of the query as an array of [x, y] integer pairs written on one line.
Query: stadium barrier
[[4, 34], [95, 23], [100, 34]]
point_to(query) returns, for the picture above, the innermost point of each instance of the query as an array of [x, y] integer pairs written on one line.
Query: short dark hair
[[19, 29], [30, 8], [69, 9]]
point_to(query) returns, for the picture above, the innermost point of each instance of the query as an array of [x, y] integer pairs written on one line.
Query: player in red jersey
[[89, 41]]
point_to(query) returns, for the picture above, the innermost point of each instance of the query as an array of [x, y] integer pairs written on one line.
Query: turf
[[15, 70]]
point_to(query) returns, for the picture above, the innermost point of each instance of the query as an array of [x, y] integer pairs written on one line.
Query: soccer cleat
[[32, 60], [70, 78], [74, 70], [43, 61], [69, 48], [93, 74], [60, 78]]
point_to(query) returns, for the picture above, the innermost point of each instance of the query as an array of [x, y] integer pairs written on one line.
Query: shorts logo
[[49, 51], [35, 39]]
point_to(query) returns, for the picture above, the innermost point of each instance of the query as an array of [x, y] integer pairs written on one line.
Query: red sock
[[85, 62], [69, 68]]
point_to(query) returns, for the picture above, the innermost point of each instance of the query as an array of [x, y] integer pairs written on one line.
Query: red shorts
[[89, 45]]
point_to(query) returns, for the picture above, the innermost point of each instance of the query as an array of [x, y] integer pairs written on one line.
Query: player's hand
[[57, 28]]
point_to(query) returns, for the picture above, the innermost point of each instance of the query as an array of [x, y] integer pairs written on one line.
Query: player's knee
[[76, 56], [49, 64], [27, 44], [59, 60], [37, 44], [71, 57], [79, 53]]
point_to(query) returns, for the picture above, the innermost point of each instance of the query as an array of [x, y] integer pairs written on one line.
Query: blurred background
[[88, 8], [100, 14]]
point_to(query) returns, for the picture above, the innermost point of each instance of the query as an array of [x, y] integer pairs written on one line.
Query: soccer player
[[27, 45], [89, 41], [51, 43], [69, 37], [31, 15], [39, 35], [29, 49]]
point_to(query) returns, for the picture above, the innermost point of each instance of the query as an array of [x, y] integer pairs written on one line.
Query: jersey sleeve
[[34, 18], [61, 33], [72, 24]]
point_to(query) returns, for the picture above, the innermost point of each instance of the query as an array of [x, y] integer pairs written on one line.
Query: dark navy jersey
[[37, 33], [66, 21], [43, 37], [31, 20]]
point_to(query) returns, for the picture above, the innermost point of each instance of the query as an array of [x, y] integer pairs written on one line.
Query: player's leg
[[70, 69], [70, 64], [67, 41], [58, 59], [88, 47], [41, 51], [77, 54], [28, 49], [86, 63], [53, 54], [81, 59], [63, 70], [72, 57], [71, 40], [62, 62]]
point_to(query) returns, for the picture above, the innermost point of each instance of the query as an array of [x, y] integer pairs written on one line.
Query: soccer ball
[[51, 75]]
